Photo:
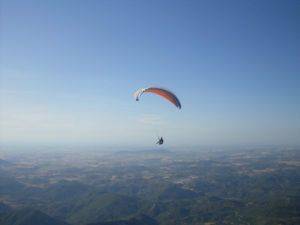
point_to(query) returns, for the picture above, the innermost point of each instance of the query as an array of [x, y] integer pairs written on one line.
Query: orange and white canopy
[[166, 94]]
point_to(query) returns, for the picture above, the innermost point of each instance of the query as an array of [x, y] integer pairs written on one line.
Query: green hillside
[[104, 207], [28, 217], [139, 220]]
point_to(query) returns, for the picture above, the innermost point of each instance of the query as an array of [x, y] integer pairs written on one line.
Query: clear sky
[[69, 69]]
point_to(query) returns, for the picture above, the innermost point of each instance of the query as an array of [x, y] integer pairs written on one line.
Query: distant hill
[[61, 197], [4, 208], [175, 192], [65, 190], [8, 184], [140, 220], [29, 217], [104, 207], [4, 163]]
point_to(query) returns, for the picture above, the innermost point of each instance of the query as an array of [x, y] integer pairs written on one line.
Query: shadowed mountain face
[[103, 207], [28, 217], [4, 163], [65, 190], [140, 220], [9, 184], [175, 192], [253, 186], [4, 208]]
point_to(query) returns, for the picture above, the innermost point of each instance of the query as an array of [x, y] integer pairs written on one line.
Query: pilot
[[160, 141]]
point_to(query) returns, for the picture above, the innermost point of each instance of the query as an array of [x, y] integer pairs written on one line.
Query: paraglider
[[164, 93], [160, 141]]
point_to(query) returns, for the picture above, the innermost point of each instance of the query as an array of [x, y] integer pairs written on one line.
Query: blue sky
[[69, 68]]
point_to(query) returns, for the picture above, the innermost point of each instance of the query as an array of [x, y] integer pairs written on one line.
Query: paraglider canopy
[[166, 94]]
